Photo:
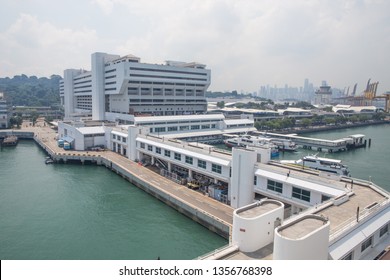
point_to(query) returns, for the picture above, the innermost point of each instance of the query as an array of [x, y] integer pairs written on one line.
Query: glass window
[[275, 186], [255, 180], [167, 153], [189, 160], [142, 145], [216, 168], [113, 136], [301, 194], [150, 148], [201, 163], [366, 244], [384, 230], [348, 256], [177, 156], [158, 150]]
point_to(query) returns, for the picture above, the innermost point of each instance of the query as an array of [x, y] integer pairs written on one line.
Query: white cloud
[[33, 47], [106, 6], [245, 43]]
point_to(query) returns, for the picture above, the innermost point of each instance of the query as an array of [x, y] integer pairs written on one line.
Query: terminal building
[[281, 212], [155, 115], [125, 86]]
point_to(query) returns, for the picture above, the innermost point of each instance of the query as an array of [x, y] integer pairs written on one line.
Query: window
[[195, 127], [167, 153], [159, 129], [172, 128], [366, 244], [177, 156], [113, 136], [301, 194], [189, 160], [255, 180], [158, 150], [150, 148], [123, 139], [324, 198], [348, 256], [142, 145], [119, 138], [201, 164], [384, 230], [275, 186], [216, 168]]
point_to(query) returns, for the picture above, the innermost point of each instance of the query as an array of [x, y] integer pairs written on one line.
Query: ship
[[252, 141], [322, 164]]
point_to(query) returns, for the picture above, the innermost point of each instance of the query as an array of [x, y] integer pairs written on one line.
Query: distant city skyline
[[246, 44]]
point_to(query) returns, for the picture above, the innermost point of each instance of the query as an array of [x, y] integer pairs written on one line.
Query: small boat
[[11, 140], [320, 163], [284, 144], [252, 141], [49, 160]]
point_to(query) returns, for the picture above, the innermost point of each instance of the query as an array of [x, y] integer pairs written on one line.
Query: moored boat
[[11, 140], [252, 141], [320, 163]]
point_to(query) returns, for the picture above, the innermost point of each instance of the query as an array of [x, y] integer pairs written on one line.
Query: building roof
[[91, 130], [197, 133], [185, 151], [238, 121], [140, 120]]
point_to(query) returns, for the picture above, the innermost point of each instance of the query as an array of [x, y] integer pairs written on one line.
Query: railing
[[354, 221], [217, 251]]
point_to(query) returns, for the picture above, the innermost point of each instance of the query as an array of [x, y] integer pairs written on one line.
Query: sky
[[246, 43]]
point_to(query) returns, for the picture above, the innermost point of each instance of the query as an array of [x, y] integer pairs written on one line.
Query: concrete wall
[[313, 246], [241, 188], [251, 234]]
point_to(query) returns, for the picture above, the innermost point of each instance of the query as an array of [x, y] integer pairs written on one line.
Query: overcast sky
[[245, 43]]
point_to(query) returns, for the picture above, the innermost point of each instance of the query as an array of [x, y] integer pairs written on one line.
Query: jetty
[[206, 211], [330, 146]]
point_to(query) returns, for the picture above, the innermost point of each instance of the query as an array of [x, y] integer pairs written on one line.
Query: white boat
[[252, 141], [284, 144], [319, 163]]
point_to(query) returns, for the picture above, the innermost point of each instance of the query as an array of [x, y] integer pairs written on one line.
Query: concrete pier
[[206, 211]]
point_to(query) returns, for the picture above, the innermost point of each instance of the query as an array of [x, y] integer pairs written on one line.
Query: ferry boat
[[252, 141], [284, 144], [320, 163]]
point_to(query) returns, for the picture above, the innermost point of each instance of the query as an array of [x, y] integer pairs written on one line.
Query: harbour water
[[370, 163], [65, 211]]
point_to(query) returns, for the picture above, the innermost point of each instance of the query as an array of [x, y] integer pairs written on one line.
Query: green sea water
[[65, 211], [370, 163]]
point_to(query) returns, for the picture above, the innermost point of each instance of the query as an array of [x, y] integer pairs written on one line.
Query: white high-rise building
[[124, 85]]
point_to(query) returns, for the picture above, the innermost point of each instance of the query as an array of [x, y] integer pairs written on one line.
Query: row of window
[[181, 128], [167, 77], [168, 71], [368, 242], [119, 138], [177, 156], [296, 192]]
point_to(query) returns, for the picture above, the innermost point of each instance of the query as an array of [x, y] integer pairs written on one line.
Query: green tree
[[221, 104]]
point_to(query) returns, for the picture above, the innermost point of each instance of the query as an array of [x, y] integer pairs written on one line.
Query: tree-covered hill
[[31, 91]]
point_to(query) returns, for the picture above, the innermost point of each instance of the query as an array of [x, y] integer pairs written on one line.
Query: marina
[[213, 215], [343, 144]]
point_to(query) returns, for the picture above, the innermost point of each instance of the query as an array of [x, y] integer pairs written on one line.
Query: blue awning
[[68, 139]]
